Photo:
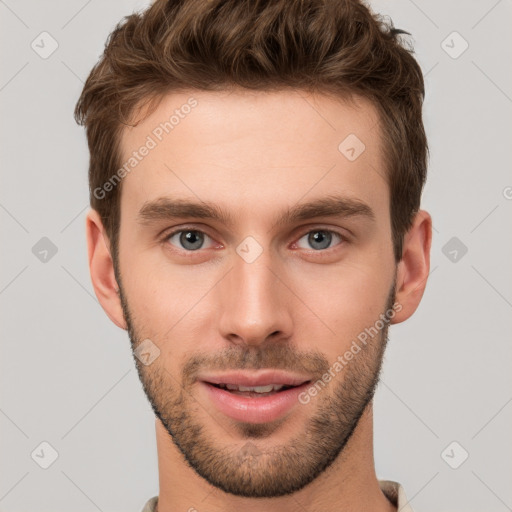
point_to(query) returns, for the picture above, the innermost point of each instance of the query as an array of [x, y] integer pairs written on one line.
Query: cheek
[[165, 298], [345, 300]]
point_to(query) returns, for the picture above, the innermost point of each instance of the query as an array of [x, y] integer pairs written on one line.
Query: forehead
[[243, 148]]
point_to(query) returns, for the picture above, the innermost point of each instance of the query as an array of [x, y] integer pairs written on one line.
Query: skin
[[295, 307]]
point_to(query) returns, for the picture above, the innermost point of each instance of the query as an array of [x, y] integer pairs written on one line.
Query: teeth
[[254, 389]]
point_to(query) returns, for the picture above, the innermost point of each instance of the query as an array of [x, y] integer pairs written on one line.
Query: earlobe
[[414, 267], [101, 268]]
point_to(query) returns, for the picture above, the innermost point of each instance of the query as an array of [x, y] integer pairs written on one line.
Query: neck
[[350, 483]]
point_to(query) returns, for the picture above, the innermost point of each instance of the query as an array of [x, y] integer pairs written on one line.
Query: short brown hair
[[329, 46]]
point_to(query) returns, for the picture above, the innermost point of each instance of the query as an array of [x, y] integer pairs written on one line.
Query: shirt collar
[[393, 491]]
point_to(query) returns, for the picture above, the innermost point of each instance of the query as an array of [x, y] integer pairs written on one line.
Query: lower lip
[[254, 409]]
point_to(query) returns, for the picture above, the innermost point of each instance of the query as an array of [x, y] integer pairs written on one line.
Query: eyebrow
[[168, 208]]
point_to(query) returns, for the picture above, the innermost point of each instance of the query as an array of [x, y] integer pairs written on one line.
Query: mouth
[[261, 383], [254, 397], [254, 391]]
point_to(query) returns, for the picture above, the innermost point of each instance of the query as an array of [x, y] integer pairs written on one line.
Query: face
[[290, 275]]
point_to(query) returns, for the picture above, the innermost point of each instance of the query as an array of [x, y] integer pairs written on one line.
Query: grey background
[[67, 374]]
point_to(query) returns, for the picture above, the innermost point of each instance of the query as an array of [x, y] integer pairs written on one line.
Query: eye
[[189, 239], [320, 239]]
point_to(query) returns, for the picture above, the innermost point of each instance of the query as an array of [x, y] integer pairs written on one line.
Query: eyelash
[[343, 238]]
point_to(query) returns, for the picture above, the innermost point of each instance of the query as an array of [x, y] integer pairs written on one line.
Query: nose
[[255, 303]]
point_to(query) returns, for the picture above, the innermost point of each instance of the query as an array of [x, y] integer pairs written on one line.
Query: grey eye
[[319, 239], [189, 239]]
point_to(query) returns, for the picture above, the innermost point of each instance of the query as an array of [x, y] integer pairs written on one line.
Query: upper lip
[[259, 378]]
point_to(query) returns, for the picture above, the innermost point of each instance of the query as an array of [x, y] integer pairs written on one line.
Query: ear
[[414, 267], [101, 268]]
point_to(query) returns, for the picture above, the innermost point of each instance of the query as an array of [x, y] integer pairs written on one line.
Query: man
[[255, 174]]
